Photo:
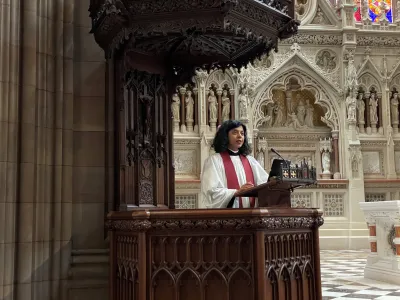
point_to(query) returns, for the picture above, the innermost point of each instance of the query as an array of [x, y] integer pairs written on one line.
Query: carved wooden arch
[[306, 82]]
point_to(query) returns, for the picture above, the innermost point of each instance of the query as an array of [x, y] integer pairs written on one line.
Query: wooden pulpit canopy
[[188, 34]]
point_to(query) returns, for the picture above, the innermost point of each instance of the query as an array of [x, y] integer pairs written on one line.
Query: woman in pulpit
[[230, 170]]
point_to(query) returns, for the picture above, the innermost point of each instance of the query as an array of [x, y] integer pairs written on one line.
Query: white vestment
[[215, 193]]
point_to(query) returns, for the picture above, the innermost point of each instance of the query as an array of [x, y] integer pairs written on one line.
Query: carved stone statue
[[270, 114], [398, 11], [278, 111], [351, 75], [394, 108], [243, 102], [226, 106], [212, 103], [373, 109], [189, 106], [364, 11], [360, 108], [309, 119], [294, 122], [175, 105], [326, 162], [351, 106], [301, 111]]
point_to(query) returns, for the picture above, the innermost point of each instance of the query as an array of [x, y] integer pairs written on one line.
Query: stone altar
[[383, 219]]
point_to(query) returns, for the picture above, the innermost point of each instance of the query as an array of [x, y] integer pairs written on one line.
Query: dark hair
[[221, 139]]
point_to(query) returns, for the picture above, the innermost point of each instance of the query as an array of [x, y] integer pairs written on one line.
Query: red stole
[[231, 176]]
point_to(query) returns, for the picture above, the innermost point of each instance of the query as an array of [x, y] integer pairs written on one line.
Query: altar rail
[[215, 254]]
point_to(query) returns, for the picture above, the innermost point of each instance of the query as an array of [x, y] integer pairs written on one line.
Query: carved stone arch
[[367, 81], [395, 82], [305, 10], [306, 81], [219, 79], [368, 67]]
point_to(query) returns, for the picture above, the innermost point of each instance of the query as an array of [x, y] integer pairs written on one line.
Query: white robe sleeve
[[213, 184], [260, 175]]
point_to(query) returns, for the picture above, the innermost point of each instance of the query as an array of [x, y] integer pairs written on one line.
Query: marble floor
[[343, 278]]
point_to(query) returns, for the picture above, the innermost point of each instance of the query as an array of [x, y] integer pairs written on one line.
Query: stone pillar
[[10, 41], [232, 98], [182, 92], [219, 94], [335, 137]]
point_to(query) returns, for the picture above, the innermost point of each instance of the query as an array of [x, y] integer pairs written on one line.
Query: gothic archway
[[305, 83]]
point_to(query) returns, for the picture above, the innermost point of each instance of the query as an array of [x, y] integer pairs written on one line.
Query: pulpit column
[[372, 238]]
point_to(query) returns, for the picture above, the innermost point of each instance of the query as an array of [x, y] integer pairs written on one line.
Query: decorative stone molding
[[314, 39]]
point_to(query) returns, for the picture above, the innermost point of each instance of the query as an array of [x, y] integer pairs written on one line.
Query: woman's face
[[236, 138]]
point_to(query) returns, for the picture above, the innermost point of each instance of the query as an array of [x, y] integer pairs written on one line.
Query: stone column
[[196, 109], [219, 93], [232, 98], [335, 137], [182, 92], [10, 40]]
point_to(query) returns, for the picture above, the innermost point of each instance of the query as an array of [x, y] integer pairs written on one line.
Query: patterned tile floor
[[343, 278]]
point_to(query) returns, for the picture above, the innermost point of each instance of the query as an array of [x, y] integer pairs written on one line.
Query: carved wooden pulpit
[[157, 252]]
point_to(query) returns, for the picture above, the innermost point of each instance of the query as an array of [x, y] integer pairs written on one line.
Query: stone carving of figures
[[175, 105], [243, 101], [373, 108], [351, 75], [319, 18], [301, 111], [189, 106], [309, 119], [294, 121], [326, 162], [351, 107], [326, 61], [278, 111], [394, 108], [212, 103], [226, 106], [360, 108], [270, 114]]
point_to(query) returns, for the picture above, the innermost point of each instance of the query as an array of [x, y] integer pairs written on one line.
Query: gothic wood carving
[[144, 126], [197, 255], [224, 31]]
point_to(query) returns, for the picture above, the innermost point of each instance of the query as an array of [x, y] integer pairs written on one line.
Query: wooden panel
[[216, 254]]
